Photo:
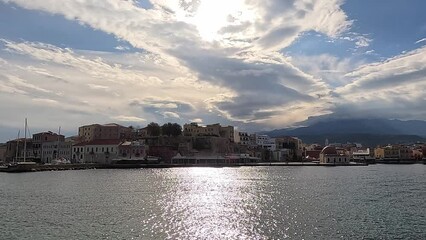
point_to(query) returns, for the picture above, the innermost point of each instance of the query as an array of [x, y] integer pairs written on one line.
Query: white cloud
[[122, 48], [421, 40], [171, 115], [362, 41], [123, 118], [394, 88], [197, 120], [45, 101]]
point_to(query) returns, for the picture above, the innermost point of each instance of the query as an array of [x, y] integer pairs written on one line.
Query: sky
[[256, 65]]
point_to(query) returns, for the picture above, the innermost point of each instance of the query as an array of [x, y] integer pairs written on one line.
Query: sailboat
[[20, 166], [24, 162]]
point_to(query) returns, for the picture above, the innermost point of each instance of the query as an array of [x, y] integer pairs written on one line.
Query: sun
[[209, 17]]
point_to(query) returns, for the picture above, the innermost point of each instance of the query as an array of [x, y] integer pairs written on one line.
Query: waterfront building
[[3, 148], [329, 154], [390, 152], [93, 132], [362, 155], [292, 143], [132, 150], [242, 138], [216, 130], [56, 150], [47, 138], [265, 142], [96, 151], [405, 153], [15, 150]]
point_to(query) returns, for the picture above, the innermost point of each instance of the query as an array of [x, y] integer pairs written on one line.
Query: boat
[[24, 162]]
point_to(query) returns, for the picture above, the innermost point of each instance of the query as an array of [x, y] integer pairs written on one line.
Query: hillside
[[369, 132]]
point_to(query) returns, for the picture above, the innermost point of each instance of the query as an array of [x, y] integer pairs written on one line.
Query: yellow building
[[107, 131], [216, 130], [388, 152]]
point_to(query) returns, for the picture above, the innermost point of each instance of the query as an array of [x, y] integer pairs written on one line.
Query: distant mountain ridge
[[371, 131]]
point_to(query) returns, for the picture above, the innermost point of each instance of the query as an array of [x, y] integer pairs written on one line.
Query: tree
[[153, 129], [176, 130], [171, 129]]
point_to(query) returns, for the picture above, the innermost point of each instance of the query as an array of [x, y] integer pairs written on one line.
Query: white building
[[96, 151], [362, 155], [51, 151], [265, 142]]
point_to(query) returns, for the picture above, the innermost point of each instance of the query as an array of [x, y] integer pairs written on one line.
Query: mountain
[[367, 131]]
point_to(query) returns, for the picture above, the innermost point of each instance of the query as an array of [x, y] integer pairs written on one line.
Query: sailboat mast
[[57, 143], [25, 140], [17, 147]]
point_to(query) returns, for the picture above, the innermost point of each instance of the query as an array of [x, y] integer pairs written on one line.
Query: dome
[[329, 150]]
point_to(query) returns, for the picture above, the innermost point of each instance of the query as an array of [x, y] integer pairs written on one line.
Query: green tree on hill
[[153, 129], [171, 129]]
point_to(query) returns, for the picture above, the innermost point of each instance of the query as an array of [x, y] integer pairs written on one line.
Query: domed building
[[329, 155]]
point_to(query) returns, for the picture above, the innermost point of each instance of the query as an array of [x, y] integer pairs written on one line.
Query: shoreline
[[63, 167]]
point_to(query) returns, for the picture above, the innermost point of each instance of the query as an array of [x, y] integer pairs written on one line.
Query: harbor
[[63, 167]]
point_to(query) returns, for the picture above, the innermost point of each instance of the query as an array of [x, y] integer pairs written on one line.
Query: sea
[[272, 202]]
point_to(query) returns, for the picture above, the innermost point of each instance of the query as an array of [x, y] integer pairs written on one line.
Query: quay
[[62, 167]]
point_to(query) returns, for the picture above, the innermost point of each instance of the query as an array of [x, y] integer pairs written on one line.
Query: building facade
[[292, 143], [45, 137], [55, 151], [387, 153], [132, 150], [265, 142], [242, 138], [215, 130], [15, 150], [93, 132], [97, 151], [329, 155]]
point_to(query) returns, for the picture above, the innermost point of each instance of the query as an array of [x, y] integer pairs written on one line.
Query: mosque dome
[[329, 150]]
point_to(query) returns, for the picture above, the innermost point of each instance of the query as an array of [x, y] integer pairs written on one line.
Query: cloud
[[394, 88], [420, 41], [197, 120], [362, 41], [122, 118], [213, 60], [330, 69], [171, 115], [45, 101], [95, 86]]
